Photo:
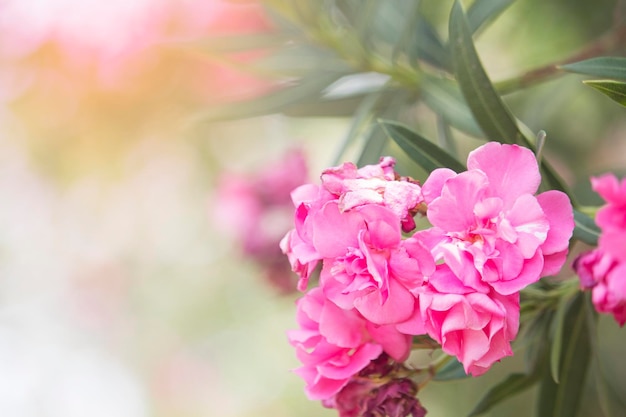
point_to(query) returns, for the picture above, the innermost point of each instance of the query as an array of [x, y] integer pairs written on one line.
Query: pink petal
[[453, 211], [434, 183], [530, 223], [558, 210], [344, 328], [395, 344], [512, 170], [383, 226], [531, 272], [355, 362], [334, 232], [319, 388], [397, 308]]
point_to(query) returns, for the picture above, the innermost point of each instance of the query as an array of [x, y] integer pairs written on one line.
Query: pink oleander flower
[[611, 218], [475, 327], [490, 228], [334, 344], [605, 276], [603, 270], [347, 189], [256, 210], [367, 265]]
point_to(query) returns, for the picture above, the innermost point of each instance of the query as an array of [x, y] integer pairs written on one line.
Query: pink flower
[[329, 217], [334, 344], [475, 327], [605, 276], [603, 270], [256, 210], [490, 228], [367, 265], [611, 218]]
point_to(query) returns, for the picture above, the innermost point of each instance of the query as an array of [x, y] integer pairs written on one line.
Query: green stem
[[611, 42]]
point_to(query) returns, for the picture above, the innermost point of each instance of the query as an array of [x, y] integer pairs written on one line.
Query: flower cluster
[[457, 282], [603, 270]]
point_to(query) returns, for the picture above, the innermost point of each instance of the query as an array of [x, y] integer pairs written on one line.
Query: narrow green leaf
[[586, 229], [373, 149], [363, 116], [445, 138], [445, 99], [422, 151], [602, 67], [492, 115], [482, 12], [411, 21], [557, 339], [563, 399], [611, 402], [451, 371], [273, 102], [614, 90], [513, 384], [427, 45]]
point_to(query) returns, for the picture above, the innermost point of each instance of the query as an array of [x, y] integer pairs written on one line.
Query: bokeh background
[[120, 293]]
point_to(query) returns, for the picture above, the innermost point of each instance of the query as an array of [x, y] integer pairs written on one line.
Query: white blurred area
[[118, 296]]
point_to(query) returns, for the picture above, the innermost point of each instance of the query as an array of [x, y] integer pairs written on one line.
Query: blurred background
[[127, 285]]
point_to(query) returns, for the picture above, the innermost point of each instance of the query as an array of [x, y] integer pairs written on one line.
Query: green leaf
[[510, 386], [273, 102], [492, 115], [427, 46], [482, 12], [411, 21], [586, 229], [445, 99], [611, 402], [445, 138], [422, 151], [373, 149], [451, 371], [557, 340], [614, 90], [602, 67], [363, 116], [563, 399]]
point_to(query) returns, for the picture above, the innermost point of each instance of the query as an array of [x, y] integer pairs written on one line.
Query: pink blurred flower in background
[[603, 270], [121, 39], [255, 209]]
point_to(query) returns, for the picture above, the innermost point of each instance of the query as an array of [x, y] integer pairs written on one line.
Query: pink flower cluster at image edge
[[457, 281], [603, 269]]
